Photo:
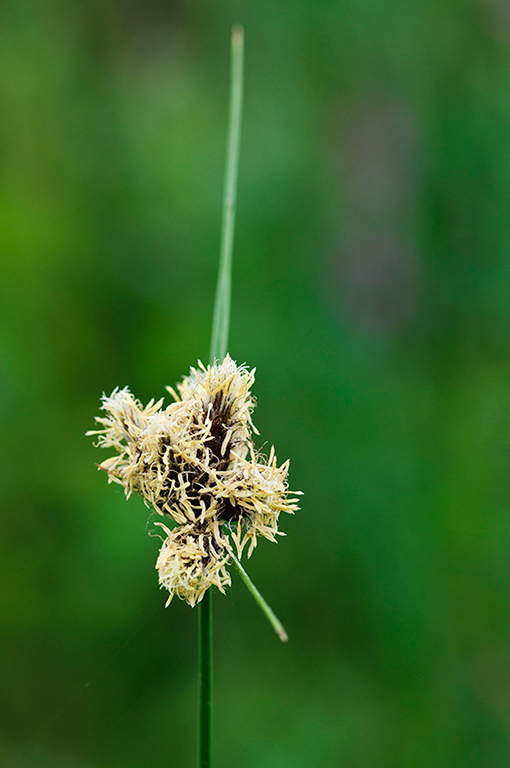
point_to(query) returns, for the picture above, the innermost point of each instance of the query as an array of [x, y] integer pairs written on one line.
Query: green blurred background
[[372, 293]]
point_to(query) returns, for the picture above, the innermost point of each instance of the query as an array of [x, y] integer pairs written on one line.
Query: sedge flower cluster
[[194, 462]]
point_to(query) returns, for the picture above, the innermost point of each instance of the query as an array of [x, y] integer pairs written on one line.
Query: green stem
[[221, 317], [275, 621], [219, 341], [205, 678]]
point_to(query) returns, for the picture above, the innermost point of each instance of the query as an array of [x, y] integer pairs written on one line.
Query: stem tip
[[237, 34]]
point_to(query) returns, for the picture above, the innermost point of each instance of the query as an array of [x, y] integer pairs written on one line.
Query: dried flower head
[[188, 564], [194, 462]]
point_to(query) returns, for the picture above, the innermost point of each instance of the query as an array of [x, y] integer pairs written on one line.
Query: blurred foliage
[[372, 292]]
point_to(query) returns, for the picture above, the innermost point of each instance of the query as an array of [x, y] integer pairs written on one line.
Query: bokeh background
[[372, 293]]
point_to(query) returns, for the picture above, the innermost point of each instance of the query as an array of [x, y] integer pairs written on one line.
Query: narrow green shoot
[[273, 619], [221, 317]]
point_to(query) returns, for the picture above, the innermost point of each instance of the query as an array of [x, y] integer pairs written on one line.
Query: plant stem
[[219, 341], [275, 621], [221, 317], [205, 678]]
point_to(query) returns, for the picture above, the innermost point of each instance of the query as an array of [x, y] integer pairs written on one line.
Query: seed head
[[194, 462], [188, 564]]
